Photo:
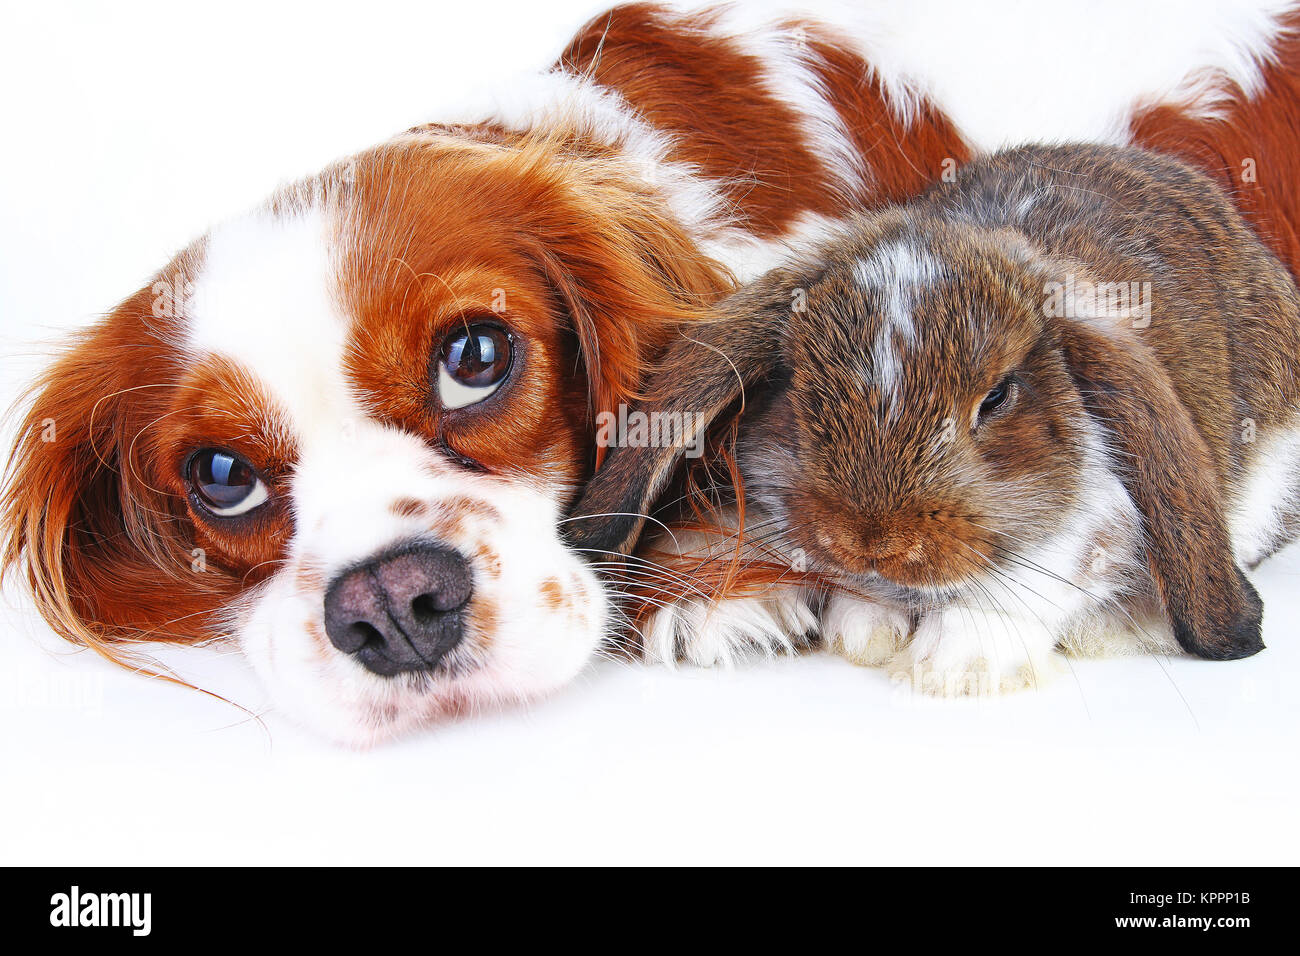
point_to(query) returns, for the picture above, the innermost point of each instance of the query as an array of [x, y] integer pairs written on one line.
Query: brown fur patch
[[408, 508], [903, 157], [472, 508], [483, 618], [448, 527], [687, 78], [553, 594], [488, 561], [309, 578], [322, 649]]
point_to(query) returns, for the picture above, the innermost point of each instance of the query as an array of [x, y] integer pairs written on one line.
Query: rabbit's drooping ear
[[1170, 474], [705, 371]]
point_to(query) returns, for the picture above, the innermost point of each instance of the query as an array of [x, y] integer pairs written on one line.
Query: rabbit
[[1048, 405]]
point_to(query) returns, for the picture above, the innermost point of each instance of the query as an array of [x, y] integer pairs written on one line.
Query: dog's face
[[343, 430]]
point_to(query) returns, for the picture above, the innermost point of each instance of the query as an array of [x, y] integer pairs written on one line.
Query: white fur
[[726, 632], [265, 300], [1271, 486], [866, 633], [894, 270], [557, 100], [705, 632], [748, 257]]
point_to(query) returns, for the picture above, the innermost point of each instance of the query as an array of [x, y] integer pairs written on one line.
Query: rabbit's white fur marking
[[1267, 497], [894, 270]]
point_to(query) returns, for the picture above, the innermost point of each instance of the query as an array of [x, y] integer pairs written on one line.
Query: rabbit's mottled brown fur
[[1020, 408]]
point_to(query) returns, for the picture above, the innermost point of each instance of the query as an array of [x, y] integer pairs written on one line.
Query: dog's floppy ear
[[626, 272], [79, 516], [1170, 474], [704, 372]]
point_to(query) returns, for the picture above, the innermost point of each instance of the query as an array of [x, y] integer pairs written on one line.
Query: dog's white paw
[[709, 634], [965, 651], [867, 634]]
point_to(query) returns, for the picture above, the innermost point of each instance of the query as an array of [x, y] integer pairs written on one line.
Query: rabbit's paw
[[965, 651], [867, 634]]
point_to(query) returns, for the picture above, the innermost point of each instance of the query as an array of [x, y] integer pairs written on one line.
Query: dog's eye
[[225, 483], [998, 396], [473, 363]]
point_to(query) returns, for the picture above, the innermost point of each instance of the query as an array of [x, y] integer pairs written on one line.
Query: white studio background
[[128, 129]]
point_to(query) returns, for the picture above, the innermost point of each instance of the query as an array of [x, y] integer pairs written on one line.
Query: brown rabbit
[[1022, 411]]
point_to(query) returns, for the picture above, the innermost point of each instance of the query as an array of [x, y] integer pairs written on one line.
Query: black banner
[[236, 905]]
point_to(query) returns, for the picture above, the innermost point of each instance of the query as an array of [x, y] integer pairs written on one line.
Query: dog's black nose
[[400, 611]]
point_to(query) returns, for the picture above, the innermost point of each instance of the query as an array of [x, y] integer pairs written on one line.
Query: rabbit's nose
[[878, 540], [867, 542], [884, 549]]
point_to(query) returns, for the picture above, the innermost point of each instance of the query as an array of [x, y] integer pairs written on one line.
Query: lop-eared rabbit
[[1050, 404]]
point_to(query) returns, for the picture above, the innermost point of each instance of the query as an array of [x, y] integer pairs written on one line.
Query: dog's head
[[343, 430]]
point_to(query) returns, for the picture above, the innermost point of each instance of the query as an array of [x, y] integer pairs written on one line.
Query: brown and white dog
[[342, 429]]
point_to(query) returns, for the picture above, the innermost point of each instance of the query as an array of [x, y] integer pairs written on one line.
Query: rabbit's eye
[[999, 396]]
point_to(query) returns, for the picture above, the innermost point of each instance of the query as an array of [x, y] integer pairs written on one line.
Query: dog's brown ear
[[625, 272], [1170, 474], [704, 372], [81, 516]]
